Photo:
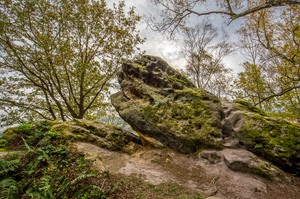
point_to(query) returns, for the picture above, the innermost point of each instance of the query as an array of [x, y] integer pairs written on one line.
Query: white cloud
[[158, 45]]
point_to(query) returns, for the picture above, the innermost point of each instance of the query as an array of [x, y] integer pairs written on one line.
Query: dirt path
[[158, 166]]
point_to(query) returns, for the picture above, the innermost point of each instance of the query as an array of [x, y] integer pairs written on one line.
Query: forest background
[[59, 59]]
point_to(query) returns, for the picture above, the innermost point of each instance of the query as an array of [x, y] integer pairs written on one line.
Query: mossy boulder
[[273, 139], [101, 134], [159, 102]]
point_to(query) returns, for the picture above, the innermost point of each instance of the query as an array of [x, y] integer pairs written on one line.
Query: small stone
[[212, 156], [261, 189]]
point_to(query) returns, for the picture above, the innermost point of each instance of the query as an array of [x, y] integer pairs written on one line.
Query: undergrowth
[[42, 163], [43, 166]]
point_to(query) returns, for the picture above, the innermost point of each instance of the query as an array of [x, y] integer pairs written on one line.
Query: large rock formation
[[159, 102], [273, 139]]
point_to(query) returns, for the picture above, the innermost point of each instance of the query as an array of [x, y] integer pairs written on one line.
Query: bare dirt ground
[[164, 173]]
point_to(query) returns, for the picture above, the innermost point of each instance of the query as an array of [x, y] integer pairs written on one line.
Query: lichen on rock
[[159, 102], [273, 139]]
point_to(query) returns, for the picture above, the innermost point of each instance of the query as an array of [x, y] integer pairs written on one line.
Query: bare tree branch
[[175, 12], [282, 92]]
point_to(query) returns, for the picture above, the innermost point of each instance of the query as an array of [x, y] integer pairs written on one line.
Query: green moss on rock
[[276, 140], [101, 134], [188, 122], [273, 139], [159, 102], [245, 105]]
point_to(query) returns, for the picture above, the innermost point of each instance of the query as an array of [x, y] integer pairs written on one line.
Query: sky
[[160, 45]]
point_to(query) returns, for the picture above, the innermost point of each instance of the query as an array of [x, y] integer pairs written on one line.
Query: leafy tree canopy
[[272, 41], [58, 57]]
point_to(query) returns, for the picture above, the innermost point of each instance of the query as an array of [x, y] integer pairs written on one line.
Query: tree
[[281, 38], [204, 56], [176, 12], [252, 84], [276, 38], [58, 57]]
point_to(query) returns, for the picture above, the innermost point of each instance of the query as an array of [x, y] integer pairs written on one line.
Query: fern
[[8, 189], [67, 185], [6, 166], [82, 177], [33, 193], [90, 191], [45, 187], [41, 188], [42, 156], [13, 155]]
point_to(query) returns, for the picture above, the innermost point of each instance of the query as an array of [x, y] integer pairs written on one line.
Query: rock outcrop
[[159, 102], [273, 139], [165, 108], [98, 133]]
